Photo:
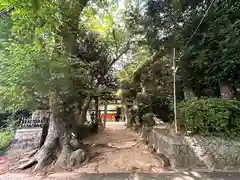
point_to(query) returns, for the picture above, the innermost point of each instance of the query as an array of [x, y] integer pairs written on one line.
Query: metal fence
[[32, 123]]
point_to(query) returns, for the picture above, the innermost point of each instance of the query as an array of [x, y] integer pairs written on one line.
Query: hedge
[[211, 116]]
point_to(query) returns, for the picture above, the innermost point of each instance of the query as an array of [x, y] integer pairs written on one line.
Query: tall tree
[[56, 59], [213, 50], [172, 24]]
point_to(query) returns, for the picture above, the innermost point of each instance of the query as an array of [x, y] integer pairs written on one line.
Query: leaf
[[108, 21]]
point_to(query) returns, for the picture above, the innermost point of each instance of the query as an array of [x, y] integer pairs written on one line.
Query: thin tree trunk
[[96, 109], [189, 94], [226, 90], [83, 114], [105, 113], [97, 113], [126, 112]]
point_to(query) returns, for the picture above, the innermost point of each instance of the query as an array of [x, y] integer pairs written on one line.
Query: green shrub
[[7, 132], [11, 125], [210, 117], [154, 103], [5, 138]]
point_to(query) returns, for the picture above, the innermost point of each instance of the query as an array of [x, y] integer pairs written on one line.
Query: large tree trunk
[[57, 147]]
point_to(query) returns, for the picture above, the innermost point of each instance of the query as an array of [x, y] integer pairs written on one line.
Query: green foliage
[[57, 49], [164, 21], [27, 73], [107, 20], [10, 125], [5, 26], [5, 138], [139, 57], [210, 117], [150, 104], [32, 66], [213, 52], [154, 103]]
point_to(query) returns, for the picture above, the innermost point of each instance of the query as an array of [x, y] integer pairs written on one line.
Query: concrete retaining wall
[[26, 138], [195, 152]]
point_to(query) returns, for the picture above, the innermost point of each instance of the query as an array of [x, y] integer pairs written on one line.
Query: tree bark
[[83, 113], [126, 112], [98, 120], [44, 132], [226, 90], [57, 148], [189, 94], [105, 114]]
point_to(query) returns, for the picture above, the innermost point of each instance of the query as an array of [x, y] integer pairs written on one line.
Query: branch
[[115, 40], [120, 55], [111, 63], [83, 4]]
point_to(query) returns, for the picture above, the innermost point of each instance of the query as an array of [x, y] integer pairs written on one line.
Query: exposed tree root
[[28, 164], [58, 144], [33, 152], [67, 160], [52, 153]]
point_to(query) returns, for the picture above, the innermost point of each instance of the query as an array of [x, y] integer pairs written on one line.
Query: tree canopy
[[45, 34], [59, 54], [205, 35]]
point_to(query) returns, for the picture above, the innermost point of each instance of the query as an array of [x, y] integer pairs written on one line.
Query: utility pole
[[176, 121]]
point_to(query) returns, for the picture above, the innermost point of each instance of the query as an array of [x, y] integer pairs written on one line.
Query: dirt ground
[[120, 150], [113, 150]]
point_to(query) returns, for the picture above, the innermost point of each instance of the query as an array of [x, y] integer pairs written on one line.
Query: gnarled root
[[56, 145], [51, 152], [69, 158]]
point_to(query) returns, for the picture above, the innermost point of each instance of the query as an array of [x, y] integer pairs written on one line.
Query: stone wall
[[28, 134], [194, 152], [26, 138], [29, 138]]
